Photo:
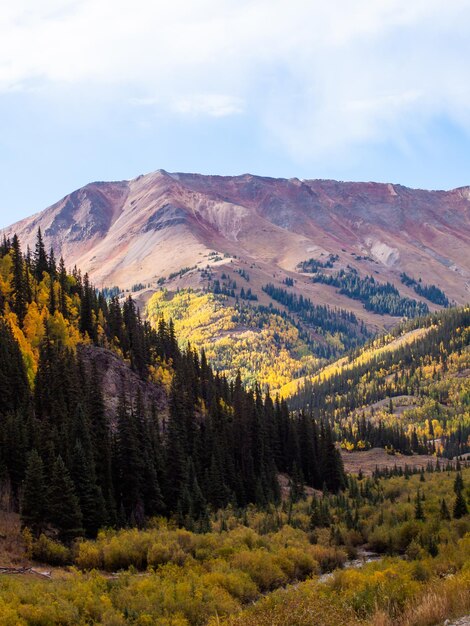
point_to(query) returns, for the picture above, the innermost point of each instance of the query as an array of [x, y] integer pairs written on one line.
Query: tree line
[[430, 292]]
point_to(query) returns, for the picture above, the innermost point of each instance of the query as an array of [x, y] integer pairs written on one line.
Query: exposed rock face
[[140, 230], [117, 377]]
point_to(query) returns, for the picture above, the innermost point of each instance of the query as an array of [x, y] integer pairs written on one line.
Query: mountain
[[262, 247], [140, 230]]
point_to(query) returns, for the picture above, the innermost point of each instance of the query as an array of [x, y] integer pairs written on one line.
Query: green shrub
[[48, 551]]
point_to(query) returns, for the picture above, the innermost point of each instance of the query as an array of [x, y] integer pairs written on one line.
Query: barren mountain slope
[[275, 219], [141, 230]]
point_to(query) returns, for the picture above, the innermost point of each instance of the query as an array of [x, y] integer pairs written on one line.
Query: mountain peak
[[145, 229]]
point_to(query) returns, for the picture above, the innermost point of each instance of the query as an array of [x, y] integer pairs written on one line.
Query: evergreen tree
[[33, 502], [14, 387], [52, 266], [63, 288], [176, 449], [458, 482], [128, 466], [19, 284], [99, 429], [40, 261], [419, 511], [460, 506], [52, 298], [444, 511], [86, 310], [297, 489], [331, 462], [63, 505], [90, 498]]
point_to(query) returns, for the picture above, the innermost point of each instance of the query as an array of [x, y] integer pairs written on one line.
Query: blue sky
[[109, 89]]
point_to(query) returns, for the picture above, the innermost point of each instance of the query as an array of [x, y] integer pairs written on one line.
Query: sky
[[351, 90]]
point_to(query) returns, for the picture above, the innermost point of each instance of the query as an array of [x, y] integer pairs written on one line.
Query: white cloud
[[318, 77], [215, 105]]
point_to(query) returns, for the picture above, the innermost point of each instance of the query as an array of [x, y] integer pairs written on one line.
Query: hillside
[[105, 420], [408, 390], [380, 252], [267, 345]]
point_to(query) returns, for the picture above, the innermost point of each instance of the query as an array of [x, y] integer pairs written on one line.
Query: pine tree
[[52, 266], [151, 492], [444, 511], [419, 511], [331, 462], [458, 482], [101, 443], [33, 502], [14, 387], [63, 505], [128, 465], [52, 299], [176, 448], [40, 262], [90, 498], [460, 506], [63, 288], [297, 489], [86, 310], [19, 285]]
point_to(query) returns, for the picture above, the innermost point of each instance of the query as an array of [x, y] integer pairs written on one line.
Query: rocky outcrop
[[117, 377]]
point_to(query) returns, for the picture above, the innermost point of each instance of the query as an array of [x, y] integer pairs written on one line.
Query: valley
[[234, 391], [214, 444]]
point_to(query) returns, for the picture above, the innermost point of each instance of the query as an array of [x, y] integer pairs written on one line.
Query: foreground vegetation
[[241, 572]]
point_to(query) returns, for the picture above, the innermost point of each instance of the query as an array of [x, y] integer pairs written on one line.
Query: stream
[[363, 557]]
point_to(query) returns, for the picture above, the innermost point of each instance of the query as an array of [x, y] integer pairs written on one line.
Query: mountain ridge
[[222, 203], [193, 231]]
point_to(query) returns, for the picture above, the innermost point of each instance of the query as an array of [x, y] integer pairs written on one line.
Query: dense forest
[[70, 468], [322, 319], [421, 366], [383, 298]]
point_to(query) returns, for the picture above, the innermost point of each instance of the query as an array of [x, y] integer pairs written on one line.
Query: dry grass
[[445, 600], [12, 548], [302, 606], [377, 457]]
